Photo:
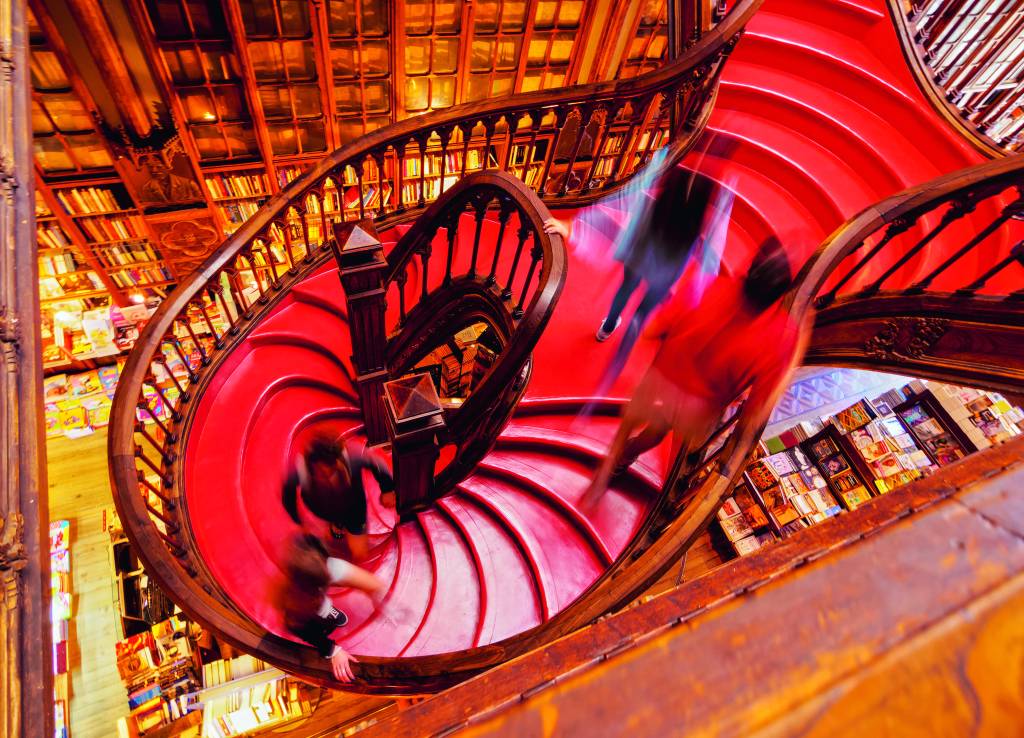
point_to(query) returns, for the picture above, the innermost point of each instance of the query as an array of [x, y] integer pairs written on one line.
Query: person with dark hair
[[671, 215], [301, 594], [737, 336], [328, 478]]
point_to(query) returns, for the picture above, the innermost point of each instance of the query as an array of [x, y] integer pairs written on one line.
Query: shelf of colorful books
[[846, 472], [934, 429], [238, 703], [984, 417], [61, 600], [744, 520], [246, 184]]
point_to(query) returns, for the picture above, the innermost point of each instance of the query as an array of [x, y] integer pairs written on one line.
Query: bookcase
[[934, 430], [848, 476]]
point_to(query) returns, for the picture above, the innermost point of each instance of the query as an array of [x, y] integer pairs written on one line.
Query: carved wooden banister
[[212, 312], [928, 281]]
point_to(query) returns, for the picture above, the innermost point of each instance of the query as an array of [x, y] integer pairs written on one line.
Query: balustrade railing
[[972, 54], [570, 146]]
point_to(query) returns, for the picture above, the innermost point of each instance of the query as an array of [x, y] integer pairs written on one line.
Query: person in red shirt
[[738, 335]]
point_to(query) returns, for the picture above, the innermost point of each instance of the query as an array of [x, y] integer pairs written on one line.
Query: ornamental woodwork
[[905, 337], [26, 679]]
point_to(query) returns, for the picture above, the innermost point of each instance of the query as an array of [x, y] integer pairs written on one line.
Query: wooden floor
[[80, 492]]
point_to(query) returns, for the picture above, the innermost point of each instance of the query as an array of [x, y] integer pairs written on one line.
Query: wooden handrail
[[914, 52], [245, 278]]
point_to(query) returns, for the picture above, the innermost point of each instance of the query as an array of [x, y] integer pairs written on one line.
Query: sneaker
[[604, 335], [337, 618], [623, 467]]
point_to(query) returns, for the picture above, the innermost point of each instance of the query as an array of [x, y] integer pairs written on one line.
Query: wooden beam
[[104, 47], [236, 27], [26, 670], [325, 73]]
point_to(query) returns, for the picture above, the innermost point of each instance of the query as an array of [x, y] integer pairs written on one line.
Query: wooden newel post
[[416, 419], [361, 267]]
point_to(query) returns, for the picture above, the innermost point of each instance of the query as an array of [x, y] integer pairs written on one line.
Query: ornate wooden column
[[26, 679], [416, 417], [361, 267]]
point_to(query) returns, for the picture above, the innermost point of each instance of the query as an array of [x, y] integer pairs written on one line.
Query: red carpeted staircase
[[825, 120], [505, 551]]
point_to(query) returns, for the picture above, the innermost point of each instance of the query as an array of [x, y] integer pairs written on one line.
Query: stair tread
[[507, 589], [452, 620], [564, 561]]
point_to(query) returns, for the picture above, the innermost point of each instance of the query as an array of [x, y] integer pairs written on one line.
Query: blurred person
[[328, 478], [669, 215], [738, 335], [301, 595]]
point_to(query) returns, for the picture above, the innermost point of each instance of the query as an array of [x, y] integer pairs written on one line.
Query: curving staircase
[[823, 123], [505, 551]]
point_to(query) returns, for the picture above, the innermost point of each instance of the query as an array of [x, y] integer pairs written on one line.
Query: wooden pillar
[[26, 678], [415, 418], [361, 267]]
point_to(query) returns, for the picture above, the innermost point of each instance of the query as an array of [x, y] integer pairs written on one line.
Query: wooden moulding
[[26, 668], [780, 641], [975, 340]]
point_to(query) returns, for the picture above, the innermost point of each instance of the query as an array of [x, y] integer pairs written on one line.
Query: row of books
[[126, 278], [87, 200], [55, 264], [285, 174], [261, 706], [431, 189], [127, 253], [51, 236], [69, 283], [113, 228], [222, 186]]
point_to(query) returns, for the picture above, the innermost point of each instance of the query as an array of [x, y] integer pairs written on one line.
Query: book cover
[[747, 545], [835, 464], [728, 509], [736, 527], [855, 416], [761, 475], [823, 448]]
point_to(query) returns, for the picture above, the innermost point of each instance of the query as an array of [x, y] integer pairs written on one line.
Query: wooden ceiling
[[266, 81]]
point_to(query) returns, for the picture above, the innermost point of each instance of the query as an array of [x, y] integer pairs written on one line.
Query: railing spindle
[[561, 114], [991, 228], [166, 479], [479, 210], [504, 213], [535, 255], [524, 233], [955, 211], [453, 229], [1016, 254], [897, 227]]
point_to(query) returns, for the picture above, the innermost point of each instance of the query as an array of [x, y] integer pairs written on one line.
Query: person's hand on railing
[[561, 227], [341, 664]]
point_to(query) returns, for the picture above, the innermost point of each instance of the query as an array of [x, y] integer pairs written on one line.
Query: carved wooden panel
[[185, 237], [969, 341]]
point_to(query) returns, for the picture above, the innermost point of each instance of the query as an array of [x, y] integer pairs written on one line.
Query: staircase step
[[454, 613], [509, 599], [563, 560], [407, 601]]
